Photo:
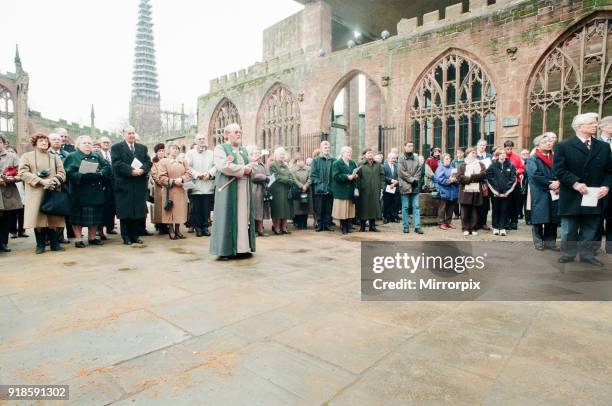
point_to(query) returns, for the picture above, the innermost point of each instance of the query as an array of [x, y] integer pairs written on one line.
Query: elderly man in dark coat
[[543, 186], [582, 162], [371, 182], [131, 165]]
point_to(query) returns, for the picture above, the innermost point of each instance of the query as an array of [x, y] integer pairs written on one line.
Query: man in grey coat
[[202, 165], [409, 173]]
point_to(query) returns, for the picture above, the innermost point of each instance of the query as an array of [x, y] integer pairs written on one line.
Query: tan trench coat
[[31, 163], [171, 169]]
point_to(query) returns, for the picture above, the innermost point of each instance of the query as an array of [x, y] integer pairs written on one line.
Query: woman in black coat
[[501, 179], [543, 186], [86, 190]]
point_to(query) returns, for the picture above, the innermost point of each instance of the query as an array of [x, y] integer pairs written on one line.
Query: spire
[[144, 77], [92, 124], [17, 57]]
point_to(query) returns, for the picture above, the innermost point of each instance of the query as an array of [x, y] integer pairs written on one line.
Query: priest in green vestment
[[233, 219]]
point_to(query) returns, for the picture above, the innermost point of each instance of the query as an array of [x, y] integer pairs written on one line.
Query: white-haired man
[[234, 226], [581, 162], [202, 165], [131, 165], [66, 145], [109, 207], [321, 178]]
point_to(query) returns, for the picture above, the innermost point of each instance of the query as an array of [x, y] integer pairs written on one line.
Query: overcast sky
[[80, 52]]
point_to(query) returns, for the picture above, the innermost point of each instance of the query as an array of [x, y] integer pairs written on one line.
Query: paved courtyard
[[169, 324]]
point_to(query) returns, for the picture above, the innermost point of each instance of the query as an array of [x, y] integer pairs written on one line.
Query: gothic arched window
[[225, 113], [453, 106], [7, 112], [574, 77], [279, 120]]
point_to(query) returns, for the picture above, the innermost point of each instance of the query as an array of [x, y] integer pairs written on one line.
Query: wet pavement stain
[[70, 263], [180, 250]]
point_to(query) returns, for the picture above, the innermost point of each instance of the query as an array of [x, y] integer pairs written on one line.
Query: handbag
[[294, 192], [169, 203], [56, 203], [485, 190]]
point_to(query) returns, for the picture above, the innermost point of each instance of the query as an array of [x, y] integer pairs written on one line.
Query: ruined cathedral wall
[[506, 39]]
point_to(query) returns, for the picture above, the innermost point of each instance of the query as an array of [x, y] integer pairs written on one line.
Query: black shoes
[[406, 230], [418, 231], [127, 241], [565, 259], [4, 248], [79, 244], [95, 242]]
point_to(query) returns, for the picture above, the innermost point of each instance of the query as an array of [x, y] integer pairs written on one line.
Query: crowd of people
[[236, 188]]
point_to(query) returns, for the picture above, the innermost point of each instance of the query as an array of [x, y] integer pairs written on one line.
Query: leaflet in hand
[[272, 180], [88, 167], [136, 164], [590, 199], [486, 162], [554, 196], [390, 189]]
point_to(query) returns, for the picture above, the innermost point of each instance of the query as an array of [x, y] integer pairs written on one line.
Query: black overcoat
[[574, 162], [544, 210], [130, 191]]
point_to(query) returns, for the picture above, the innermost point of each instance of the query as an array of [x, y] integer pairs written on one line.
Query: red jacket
[[518, 164]]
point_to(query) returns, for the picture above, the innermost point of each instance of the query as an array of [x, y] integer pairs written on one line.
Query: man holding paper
[[131, 166], [583, 165]]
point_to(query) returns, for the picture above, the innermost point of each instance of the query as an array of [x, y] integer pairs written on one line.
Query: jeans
[[577, 235], [411, 199]]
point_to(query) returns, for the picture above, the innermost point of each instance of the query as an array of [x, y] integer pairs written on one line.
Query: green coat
[[280, 205], [370, 182], [86, 189], [342, 188]]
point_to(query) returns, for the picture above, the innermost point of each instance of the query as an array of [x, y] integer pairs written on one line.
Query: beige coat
[[171, 169], [31, 163], [156, 189]]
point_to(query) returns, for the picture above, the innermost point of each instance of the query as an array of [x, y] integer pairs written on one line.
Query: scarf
[[472, 168], [409, 155], [326, 156], [547, 159]]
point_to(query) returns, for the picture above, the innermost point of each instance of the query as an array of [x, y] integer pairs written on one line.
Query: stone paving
[[169, 324]]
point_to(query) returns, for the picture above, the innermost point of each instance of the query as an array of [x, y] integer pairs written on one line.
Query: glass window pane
[[450, 95], [416, 135], [437, 140], [450, 135], [475, 128], [463, 132], [476, 91]]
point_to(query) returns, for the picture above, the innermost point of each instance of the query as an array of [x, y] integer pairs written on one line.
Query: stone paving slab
[[62, 354], [353, 344]]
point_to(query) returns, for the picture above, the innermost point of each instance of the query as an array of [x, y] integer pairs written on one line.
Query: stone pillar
[[351, 98], [373, 113]]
